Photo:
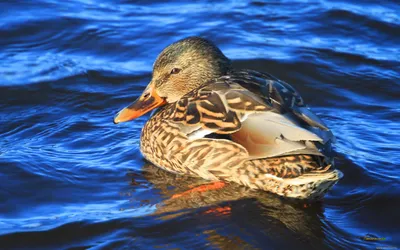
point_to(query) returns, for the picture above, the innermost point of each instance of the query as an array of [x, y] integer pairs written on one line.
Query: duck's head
[[180, 68]]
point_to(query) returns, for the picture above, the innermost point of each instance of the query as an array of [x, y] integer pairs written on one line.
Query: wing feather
[[261, 113]]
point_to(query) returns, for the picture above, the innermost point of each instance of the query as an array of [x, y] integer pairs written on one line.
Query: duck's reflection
[[256, 209]]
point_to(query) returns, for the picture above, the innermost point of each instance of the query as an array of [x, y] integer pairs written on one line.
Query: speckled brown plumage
[[165, 139], [272, 141]]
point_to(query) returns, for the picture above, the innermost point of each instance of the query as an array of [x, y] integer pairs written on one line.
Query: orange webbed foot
[[201, 188]]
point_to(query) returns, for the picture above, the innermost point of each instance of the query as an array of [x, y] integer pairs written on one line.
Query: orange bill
[[148, 101]]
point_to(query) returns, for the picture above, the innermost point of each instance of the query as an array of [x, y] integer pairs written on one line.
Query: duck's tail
[[297, 176]]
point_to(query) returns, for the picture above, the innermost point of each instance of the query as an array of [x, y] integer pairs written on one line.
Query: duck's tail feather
[[299, 176]]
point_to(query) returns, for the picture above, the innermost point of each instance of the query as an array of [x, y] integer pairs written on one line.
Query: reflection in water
[[225, 242], [269, 214]]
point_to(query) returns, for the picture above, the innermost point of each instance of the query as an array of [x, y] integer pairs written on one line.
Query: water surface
[[71, 179]]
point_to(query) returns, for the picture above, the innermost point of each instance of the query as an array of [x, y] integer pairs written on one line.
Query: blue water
[[71, 179]]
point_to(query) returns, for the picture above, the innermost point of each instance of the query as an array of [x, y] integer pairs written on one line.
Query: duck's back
[[266, 116]]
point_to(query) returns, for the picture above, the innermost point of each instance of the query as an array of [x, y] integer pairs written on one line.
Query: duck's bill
[[148, 101]]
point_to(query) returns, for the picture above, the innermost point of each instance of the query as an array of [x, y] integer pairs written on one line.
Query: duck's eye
[[175, 71]]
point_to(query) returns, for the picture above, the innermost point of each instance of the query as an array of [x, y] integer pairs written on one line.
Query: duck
[[213, 121]]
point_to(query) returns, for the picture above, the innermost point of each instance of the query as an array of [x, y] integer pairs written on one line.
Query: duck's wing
[[278, 94], [264, 115]]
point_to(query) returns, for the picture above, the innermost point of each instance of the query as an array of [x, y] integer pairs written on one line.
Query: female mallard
[[241, 126]]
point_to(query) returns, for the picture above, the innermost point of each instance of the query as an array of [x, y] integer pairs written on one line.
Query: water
[[71, 179]]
